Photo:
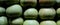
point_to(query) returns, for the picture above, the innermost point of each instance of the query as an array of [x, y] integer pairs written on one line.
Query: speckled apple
[[14, 11], [18, 21], [2, 11], [31, 3], [31, 13], [47, 13], [48, 23], [31, 22], [3, 20]]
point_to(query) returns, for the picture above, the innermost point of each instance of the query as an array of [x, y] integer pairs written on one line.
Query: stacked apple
[[15, 11], [3, 19]]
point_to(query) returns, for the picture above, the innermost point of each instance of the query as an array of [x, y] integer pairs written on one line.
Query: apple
[[47, 23], [58, 2], [47, 13], [2, 11], [10, 2], [47, 2], [58, 22], [58, 12], [31, 13], [18, 21], [3, 20], [31, 3], [30, 22], [14, 11]]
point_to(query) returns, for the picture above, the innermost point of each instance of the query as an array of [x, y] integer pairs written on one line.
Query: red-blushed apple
[[47, 13]]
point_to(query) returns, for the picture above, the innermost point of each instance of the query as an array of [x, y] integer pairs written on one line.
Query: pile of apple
[[31, 14]]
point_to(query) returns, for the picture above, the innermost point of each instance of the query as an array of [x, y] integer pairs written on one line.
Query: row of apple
[[32, 3], [32, 13], [20, 21]]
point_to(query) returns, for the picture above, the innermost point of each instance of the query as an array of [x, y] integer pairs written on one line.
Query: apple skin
[[3, 20], [48, 22], [31, 13], [14, 11], [18, 21], [47, 13], [26, 3], [2, 11], [30, 22]]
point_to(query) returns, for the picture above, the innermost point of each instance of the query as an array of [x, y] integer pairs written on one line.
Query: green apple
[[3, 20], [31, 3], [14, 10], [2, 11], [48, 23], [58, 12], [47, 13], [18, 21], [9, 2], [31, 13], [30, 22], [58, 1], [58, 22]]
